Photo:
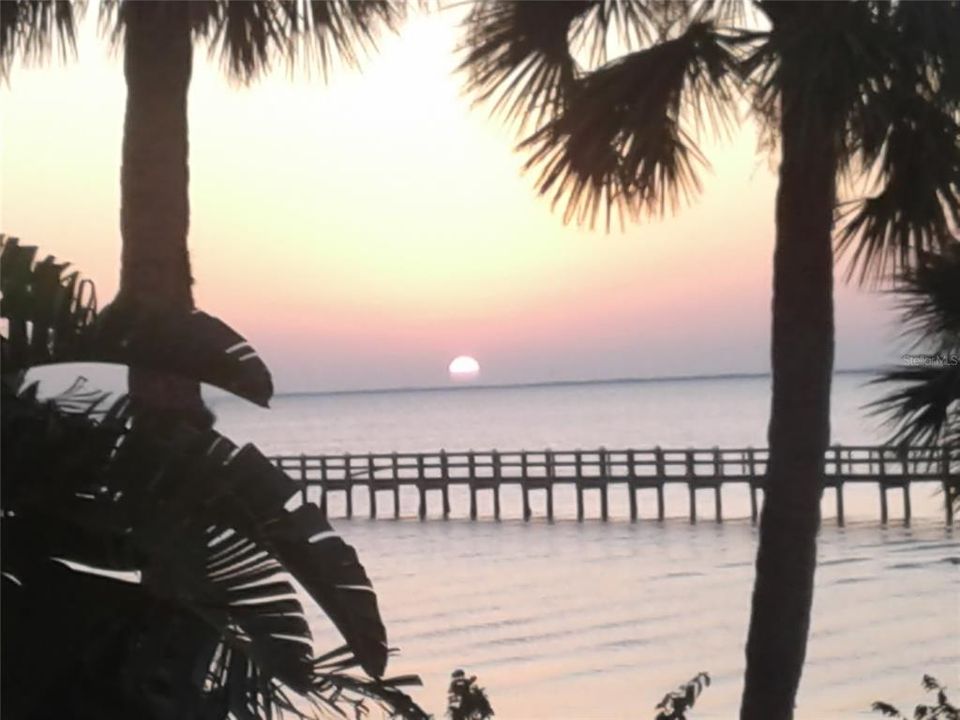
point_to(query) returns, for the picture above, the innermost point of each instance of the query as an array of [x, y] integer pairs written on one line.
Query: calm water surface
[[593, 620]]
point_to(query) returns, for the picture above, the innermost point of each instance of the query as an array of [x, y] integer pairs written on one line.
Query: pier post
[[631, 486], [395, 462], [445, 487], [578, 462], [524, 490], [348, 483], [495, 459], [661, 479], [752, 482], [840, 518], [421, 477], [882, 481], [323, 505], [551, 473], [373, 490], [323, 486], [947, 486], [905, 470], [303, 478], [718, 475], [605, 484], [472, 472], [691, 486]]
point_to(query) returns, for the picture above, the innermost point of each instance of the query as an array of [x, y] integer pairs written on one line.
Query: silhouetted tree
[[925, 406], [466, 700], [942, 710], [157, 39], [677, 703], [147, 573], [610, 95]]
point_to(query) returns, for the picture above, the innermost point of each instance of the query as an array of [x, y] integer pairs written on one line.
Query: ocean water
[[598, 620]]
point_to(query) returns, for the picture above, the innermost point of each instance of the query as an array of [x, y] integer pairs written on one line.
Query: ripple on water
[[550, 622]]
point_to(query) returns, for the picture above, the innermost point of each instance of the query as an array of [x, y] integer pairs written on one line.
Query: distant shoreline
[[554, 383]]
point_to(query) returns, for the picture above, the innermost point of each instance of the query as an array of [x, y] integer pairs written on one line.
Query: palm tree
[[157, 38], [862, 97]]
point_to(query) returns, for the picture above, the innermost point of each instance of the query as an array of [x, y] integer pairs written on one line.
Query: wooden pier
[[889, 468]]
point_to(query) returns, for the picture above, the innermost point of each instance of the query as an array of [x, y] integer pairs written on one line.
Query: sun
[[464, 368]]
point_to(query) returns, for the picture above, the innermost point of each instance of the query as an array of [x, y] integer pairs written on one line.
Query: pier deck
[[889, 468]]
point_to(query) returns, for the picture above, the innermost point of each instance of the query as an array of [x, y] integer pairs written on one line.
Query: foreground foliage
[[942, 710], [925, 406], [154, 569], [466, 700], [925, 409], [675, 704]]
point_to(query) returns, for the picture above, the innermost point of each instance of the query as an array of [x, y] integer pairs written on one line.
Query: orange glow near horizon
[[377, 224]]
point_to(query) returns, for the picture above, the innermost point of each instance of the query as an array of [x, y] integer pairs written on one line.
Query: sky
[[364, 231]]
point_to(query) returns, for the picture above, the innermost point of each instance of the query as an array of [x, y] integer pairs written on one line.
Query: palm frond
[[34, 29], [517, 55], [930, 298], [619, 142], [521, 57], [925, 407], [917, 208], [902, 137], [251, 538], [929, 33], [249, 36], [215, 530], [49, 313], [52, 317], [206, 525]]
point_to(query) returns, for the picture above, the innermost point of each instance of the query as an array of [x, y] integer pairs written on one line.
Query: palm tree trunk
[[154, 205], [799, 430]]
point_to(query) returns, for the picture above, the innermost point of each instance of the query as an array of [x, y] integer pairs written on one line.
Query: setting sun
[[464, 367]]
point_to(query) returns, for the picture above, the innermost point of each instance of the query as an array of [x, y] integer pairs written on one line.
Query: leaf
[[885, 709], [206, 527], [32, 30], [620, 142], [328, 568], [516, 55], [53, 318], [250, 37], [197, 346]]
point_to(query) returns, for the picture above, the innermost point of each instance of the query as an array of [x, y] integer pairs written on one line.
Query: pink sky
[[362, 233]]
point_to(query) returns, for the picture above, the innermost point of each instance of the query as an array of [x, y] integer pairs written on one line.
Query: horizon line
[[554, 383]]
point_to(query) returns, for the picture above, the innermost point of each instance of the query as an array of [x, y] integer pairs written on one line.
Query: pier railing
[[890, 468]]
